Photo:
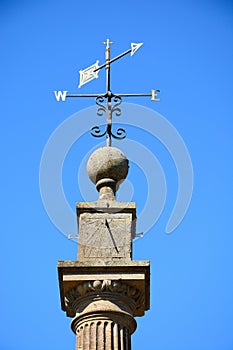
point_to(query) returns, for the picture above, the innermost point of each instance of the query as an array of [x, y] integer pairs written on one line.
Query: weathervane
[[91, 73]]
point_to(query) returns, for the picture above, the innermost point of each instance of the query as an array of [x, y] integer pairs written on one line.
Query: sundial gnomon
[[109, 108]]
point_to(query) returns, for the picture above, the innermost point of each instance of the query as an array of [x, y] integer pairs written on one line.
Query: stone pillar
[[105, 289], [103, 314], [103, 309]]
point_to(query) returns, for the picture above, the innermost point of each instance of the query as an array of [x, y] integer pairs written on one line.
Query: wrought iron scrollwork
[[115, 109], [120, 133], [96, 132], [101, 109]]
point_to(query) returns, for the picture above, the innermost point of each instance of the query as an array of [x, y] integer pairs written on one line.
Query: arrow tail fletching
[[88, 74], [135, 47]]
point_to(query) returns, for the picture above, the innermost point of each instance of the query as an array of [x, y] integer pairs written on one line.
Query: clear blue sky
[[187, 53]]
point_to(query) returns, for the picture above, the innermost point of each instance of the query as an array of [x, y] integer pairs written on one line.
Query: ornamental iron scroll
[[120, 133]]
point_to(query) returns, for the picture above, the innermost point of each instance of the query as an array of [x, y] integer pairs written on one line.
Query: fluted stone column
[[103, 314], [102, 335]]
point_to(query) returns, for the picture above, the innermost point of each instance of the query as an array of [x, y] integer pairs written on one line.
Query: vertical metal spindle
[[109, 96]]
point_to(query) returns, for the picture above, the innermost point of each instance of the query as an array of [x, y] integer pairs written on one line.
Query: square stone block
[[105, 230]]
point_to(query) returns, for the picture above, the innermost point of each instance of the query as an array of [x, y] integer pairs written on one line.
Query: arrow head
[[135, 47]]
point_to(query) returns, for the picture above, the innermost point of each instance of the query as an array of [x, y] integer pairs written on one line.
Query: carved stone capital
[[103, 297], [112, 290]]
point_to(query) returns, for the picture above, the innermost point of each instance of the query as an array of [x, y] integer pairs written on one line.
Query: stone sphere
[[107, 163]]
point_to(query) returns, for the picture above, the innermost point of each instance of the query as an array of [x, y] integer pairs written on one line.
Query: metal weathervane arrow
[[90, 73]]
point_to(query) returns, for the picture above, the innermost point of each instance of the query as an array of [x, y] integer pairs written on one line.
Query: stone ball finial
[[107, 167]]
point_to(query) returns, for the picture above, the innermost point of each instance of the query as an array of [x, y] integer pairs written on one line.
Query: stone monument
[[104, 289]]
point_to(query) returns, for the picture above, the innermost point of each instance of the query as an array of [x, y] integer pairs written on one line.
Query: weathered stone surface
[[101, 334], [104, 288], [107, 167], [104, 236], [107, 162], [105, 231], [103, 298], [103, 265], [107, 207], [134, 274]]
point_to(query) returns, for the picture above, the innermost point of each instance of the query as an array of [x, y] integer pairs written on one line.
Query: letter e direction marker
[[90, 73]]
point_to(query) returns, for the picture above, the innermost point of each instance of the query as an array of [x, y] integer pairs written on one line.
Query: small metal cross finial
[[107, 43], [91, 73]]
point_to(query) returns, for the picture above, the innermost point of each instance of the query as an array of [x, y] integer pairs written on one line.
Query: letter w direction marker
[[60, 95]]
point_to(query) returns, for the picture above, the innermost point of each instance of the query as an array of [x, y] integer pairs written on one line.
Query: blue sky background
[[187, 53]]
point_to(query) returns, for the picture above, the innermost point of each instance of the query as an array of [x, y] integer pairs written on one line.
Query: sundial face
[[103, 235]]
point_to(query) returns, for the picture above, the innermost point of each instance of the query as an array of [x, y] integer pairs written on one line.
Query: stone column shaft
[[102, 335], [103, 314]]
